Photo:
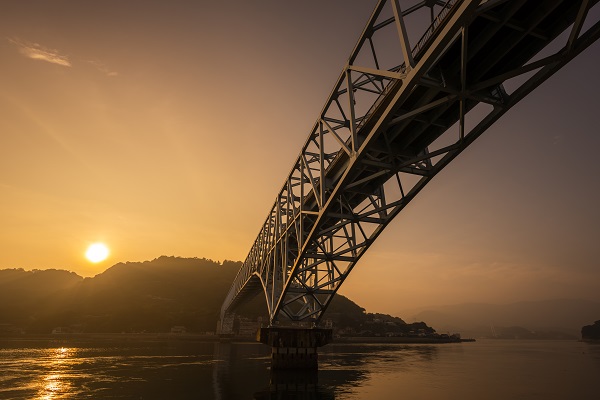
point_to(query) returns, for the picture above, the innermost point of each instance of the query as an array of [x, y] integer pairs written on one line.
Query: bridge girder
[[397, 116]]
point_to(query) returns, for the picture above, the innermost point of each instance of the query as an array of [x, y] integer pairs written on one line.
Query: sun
[[97, 252]]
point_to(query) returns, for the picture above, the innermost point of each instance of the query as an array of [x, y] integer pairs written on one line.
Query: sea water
[[180, 369]]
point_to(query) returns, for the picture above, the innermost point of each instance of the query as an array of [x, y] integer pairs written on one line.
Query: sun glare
[[97, 252]]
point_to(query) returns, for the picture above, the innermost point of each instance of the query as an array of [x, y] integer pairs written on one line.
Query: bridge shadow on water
[[297, 384], [244, 370]]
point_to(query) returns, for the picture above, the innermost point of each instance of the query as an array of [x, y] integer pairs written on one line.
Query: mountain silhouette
[[150, 296]]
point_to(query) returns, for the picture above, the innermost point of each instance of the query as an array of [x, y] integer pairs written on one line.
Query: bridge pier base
[[294, 348]]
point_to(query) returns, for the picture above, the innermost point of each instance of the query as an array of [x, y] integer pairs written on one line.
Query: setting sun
[[97, 252]]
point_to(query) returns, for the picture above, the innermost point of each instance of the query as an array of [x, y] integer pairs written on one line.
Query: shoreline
[[109, 337], [178, 337], [398, 339]]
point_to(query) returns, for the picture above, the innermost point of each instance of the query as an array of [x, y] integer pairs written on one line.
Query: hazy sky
[[167, 128]]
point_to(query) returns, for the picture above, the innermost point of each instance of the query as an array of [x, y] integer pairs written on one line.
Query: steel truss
[[397, 116]]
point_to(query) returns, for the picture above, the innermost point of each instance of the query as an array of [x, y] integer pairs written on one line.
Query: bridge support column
[[225, 326], [294, 348]]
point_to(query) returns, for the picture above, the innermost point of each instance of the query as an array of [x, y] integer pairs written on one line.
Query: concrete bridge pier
[[294, 348]]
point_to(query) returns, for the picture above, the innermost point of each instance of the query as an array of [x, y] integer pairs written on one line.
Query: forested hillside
[[150, 296]]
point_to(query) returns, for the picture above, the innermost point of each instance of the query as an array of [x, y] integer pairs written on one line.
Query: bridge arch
[[382, 135]]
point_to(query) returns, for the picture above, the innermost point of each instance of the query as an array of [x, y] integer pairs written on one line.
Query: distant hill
[[565, 316], [150, 296], [23, 292], [135, 296], [591, 332]]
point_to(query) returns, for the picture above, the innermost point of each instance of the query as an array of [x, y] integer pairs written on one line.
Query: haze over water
[[488, 369]]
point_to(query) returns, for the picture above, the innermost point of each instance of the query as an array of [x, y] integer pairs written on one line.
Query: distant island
[[591, 332], [168, 295], [543, 319]]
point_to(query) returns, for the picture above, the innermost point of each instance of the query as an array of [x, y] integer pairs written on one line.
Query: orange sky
[[166, 128]]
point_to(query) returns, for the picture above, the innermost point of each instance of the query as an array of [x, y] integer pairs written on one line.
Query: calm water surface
[[491, 369]]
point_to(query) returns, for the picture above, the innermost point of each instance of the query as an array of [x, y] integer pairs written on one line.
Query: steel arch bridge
[[397, 115]]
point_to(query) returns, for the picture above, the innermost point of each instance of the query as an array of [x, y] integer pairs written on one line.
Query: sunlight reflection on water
[[56, 383]]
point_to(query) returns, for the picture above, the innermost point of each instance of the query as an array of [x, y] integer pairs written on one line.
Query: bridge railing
[[417, 50], [434, 25]]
